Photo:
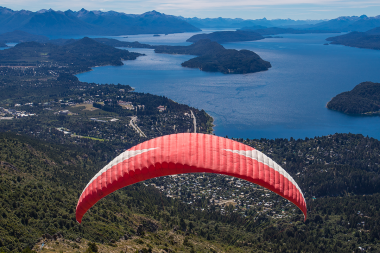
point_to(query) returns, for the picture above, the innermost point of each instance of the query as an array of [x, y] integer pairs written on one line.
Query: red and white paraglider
[[189, 153]]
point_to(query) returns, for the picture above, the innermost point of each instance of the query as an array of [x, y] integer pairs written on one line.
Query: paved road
[[194, 121], [134, 125]]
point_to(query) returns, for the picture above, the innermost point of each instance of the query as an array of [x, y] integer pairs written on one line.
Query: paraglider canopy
[[189, 153]]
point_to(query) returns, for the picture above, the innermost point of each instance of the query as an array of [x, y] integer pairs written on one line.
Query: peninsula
[[363, 99], [84, 53], [369, 39]]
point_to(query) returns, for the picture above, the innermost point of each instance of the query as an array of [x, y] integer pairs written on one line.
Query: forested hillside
[[40, 184]]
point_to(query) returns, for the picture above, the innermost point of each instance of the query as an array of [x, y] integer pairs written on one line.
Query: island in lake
[[363, 99], [213, 57], [369, 39], [227, 36]]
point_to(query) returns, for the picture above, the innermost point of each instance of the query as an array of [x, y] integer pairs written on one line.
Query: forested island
[[213, 57], [369, 39], [229, 61], [228, 36], [363, 99]]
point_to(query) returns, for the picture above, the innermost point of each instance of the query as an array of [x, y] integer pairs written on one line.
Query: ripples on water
[[288, 100]]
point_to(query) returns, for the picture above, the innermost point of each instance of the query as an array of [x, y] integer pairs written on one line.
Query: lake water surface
[[288, 100]]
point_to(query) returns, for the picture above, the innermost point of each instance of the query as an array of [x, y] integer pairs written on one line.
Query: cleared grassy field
[[85, 107]]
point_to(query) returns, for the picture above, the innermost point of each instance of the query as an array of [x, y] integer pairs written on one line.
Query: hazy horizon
[[254, 9]]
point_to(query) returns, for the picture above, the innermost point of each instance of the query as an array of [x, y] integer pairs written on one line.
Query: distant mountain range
[[84, 22], [340, 24], [239, 23], [347, 24]]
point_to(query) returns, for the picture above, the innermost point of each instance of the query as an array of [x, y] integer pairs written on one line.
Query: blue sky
[[246, 9]]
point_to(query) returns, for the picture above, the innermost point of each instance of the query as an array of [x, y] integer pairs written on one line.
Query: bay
[[288, 100]]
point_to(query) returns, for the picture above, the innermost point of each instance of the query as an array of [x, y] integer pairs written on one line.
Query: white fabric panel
[[120, 158], [262, 158]]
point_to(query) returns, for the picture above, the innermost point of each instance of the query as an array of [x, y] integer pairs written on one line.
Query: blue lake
[[288, 100]]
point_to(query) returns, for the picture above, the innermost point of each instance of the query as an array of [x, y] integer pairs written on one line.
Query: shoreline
[[209, 124], [212, 125]]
